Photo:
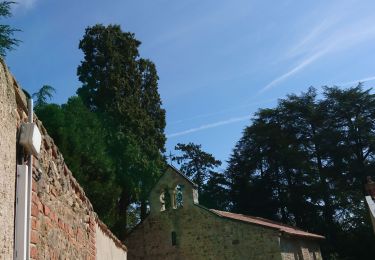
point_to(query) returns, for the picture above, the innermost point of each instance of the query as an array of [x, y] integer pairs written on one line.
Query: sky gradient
[[218, 61]]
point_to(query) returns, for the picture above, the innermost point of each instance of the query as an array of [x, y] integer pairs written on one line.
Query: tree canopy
[[7, 40], [112, 133], [201, 168], [122, 89], [304, 162], [196, 163], [44, 94]]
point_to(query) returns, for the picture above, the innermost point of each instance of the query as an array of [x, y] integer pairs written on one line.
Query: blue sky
[[218, 61]]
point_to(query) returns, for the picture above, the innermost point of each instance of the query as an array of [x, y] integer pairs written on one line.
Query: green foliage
[[201, 167], [87, 155], [7, 42], [81, 137], [112, 134], [304, 163], [215, 192], [53, 119], [44, 94], [196, 163], [121, 88]]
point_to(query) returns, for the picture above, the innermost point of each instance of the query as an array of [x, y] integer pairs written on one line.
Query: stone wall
[[295, 249], [64, 224], [8, 132], [201, 235]]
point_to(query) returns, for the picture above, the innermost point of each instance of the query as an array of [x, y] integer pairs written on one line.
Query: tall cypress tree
[[122, 89]]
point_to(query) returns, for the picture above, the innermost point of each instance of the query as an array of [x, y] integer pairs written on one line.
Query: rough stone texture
[[294, 249], [107, 249], [63, 221], [8, 130], [202, 234]]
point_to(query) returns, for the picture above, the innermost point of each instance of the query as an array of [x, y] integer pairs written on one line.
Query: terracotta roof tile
[[267, 223]]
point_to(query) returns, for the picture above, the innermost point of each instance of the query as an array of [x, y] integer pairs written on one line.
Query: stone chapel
[[179, 228]]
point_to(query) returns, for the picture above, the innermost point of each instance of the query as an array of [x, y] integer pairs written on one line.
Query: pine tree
[[7, 42], [304, 162], [196, 163]]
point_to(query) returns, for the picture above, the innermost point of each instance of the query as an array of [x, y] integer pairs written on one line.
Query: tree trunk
[[143, 209], [123, 216]]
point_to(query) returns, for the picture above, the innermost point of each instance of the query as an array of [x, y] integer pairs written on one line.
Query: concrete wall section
[[371, 206], [106, 249]]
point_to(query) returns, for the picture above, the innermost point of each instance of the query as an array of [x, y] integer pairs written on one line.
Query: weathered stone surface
[[293, 249], [8, 131], [202, 234]]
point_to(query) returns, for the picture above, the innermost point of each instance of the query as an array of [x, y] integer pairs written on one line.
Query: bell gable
[[173, 191]]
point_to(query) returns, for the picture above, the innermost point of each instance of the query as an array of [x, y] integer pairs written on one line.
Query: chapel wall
[[169, 181], [201, 235], [295, 249]]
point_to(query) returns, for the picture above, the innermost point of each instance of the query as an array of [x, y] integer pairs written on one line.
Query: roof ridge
[[291, 230], [278, 223]]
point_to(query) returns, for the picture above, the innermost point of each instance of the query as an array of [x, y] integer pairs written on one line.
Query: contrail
[[252, 103], [207, 126], [357, 81], [339, 40], [293, 71]]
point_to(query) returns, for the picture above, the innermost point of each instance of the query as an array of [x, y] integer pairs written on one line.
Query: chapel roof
[[290, 230], [267, 223]]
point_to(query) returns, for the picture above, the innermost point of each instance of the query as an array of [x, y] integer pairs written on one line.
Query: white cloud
[[217, 15], [320, 42], [293, 71], [212, 125], [26, 4], [306, 44], [249, 103]]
